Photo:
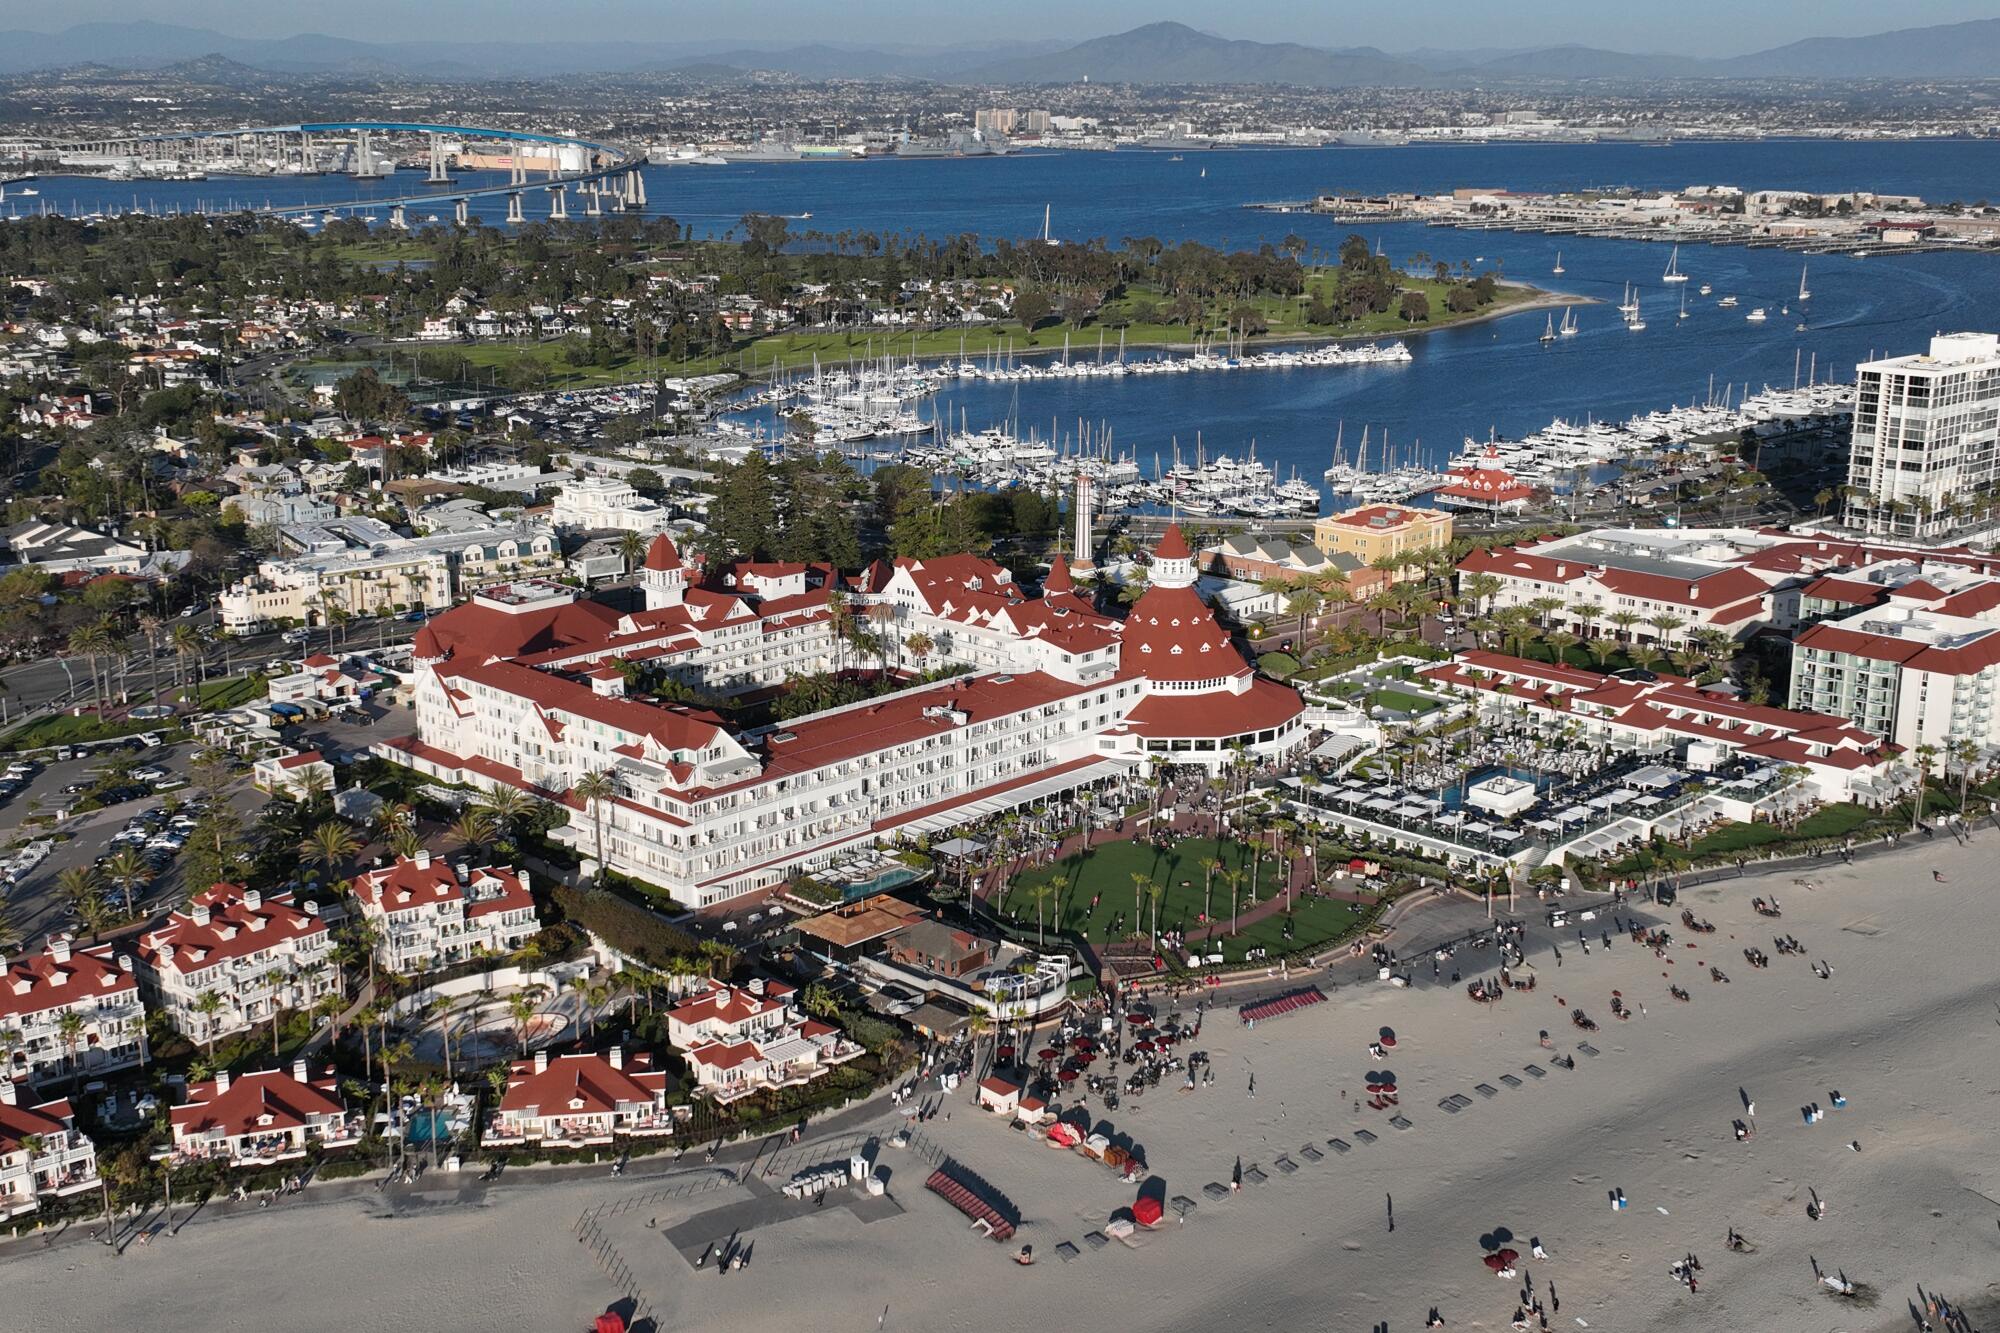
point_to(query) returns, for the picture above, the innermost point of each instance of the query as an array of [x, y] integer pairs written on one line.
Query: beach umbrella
[[1507, 1257], [1495, 1262], [1049, 1053], [1004, 1054], [1067, 1075]]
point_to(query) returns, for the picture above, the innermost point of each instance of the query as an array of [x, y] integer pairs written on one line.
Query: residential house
[[40, 992], [296, 775], [42, 1153], [581, 1099], [433, 913], [258, 955], [262, 1118], [743, 1039]]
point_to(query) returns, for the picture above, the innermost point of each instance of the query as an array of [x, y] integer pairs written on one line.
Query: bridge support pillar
[[635, 188], [592, 207], [438, 174], [516, 173], [397, 219], [460, 213], [514, 207], [558, 203]]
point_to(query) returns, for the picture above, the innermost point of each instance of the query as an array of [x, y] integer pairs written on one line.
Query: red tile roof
[[255, 1104], [582, 1085], [661, 555], [1217, 713], [1173, 545], [234, 929], [408, 885], [34, 982], [1171, 635]]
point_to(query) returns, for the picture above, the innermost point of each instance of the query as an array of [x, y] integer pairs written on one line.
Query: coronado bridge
[[541, 168]]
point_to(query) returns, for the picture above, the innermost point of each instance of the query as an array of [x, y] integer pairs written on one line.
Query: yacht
[[1757, 316], [1629, 307], [1705, 289], [1727, 303], [1673, 273], [1567, 329]]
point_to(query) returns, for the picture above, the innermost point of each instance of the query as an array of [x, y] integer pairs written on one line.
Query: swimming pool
[[429, 1126], [1454, 795], [892, 878]]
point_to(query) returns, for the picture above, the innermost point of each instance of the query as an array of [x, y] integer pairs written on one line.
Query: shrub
[[626, 927]]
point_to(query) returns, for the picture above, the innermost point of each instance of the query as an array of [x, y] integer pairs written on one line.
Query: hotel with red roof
[[518, 687], [259, 953], [97, 985]]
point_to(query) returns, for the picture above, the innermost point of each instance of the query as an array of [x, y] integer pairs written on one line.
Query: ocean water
[[1463, 382]]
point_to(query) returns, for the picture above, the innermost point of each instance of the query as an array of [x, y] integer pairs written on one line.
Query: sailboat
[[1567, 328], [1204, 173], [1635, 323], [1549, 330], [1559, 263], [1629, 307], [1805, 292], [1673, 273], [1684, 303]]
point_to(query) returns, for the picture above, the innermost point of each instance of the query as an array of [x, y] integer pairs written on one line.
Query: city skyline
[[1697, 28]]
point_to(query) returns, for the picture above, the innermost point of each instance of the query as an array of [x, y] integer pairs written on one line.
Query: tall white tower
[[1081, 558], [664, 578]]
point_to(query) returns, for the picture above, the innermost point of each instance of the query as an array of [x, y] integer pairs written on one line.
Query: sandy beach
[[1907, 1028]]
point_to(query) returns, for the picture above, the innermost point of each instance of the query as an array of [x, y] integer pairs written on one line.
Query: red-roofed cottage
[[433, 913], [258, 954], [577, 1100], [261, 1119], [39, 991]]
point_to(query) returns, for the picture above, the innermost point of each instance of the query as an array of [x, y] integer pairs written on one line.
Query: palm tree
[[209, 1005], [126, 868], [1926, 757], [472, 827], [920, 646], [594, 789], [1140, 883], [78, 887], [187, 643], [1624, 620], [328, 845], [1235, 878], [1155, 892], [1302, 602], [1040, 895], [632, 547], [505, 806], [1209, 869], [522, 1008], [91, 642], [1967, 754], [1480, 589], [69, 1031], [311, 786], [275, 978], [1664, 624], [406, 843]]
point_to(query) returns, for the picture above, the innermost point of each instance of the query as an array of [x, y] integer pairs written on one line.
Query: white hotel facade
[[517, 688]]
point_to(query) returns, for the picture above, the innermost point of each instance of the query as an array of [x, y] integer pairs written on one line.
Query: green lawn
[[1401, 701], [233, 692], [1105, 873], [63, 729]]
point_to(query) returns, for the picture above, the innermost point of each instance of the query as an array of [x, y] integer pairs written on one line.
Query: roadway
[[64, 678]]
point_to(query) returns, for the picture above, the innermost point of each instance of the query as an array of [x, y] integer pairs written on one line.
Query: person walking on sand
[[1938, 876]]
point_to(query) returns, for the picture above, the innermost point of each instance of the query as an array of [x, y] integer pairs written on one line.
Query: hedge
[[626, 927]]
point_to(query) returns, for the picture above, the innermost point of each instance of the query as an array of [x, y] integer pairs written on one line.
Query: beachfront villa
[[71, 1011], [578, 1100], [258, 954], [42, 1154], [433, 913], [743, 1039], [521, 687], [262, 1118]]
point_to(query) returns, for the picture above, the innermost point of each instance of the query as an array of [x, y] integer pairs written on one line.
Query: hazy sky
[[1693, 27]]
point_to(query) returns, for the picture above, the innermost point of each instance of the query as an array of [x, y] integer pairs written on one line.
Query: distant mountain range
[[1157, 53]]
